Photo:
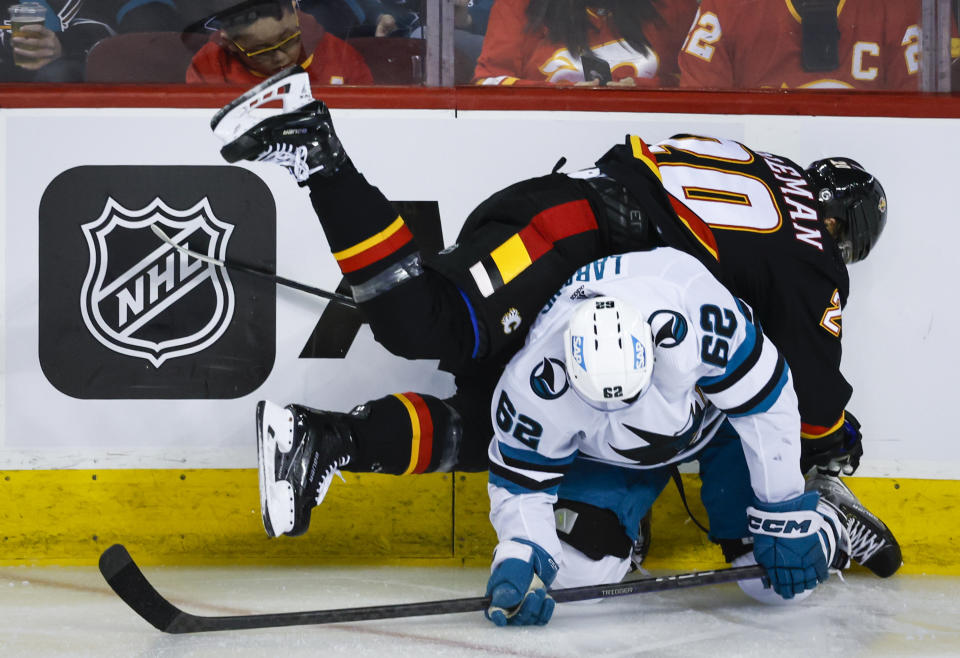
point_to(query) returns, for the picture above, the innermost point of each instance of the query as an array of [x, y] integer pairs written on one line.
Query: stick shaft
[[255, 271], [126, 579]]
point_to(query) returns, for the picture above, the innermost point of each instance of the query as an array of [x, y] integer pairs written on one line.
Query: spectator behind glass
[[388, 18], [58, 50], [470, 18], [472, 15], [542, 41], [257, 38], [364, 18], [810, 44]]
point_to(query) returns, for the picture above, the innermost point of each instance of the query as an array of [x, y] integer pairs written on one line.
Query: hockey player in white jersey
[[651, 364], [703, 195]]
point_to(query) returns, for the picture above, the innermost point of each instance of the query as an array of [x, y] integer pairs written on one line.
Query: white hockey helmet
[[608, 347]]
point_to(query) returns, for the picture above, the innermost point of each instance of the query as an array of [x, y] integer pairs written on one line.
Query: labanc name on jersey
[[607, 267]]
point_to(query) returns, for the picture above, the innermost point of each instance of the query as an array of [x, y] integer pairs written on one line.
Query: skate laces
[[294, 158], [864, 542], [327, 478]]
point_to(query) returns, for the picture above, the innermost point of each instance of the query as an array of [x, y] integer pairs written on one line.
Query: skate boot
[[299, 451], [301, 138], [642, 546], [871, 542]]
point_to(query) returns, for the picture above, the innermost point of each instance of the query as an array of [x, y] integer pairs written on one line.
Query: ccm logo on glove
[[793, 524]]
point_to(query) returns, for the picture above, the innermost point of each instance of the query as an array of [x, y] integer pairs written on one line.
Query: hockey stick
[[126, 579], [240, 267]]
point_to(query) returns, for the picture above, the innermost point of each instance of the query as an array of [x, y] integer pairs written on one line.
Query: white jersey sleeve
[[753, 386], [529, 454]]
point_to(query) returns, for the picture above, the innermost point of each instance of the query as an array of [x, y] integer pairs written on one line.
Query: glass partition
[[901, 45], [713, 44]]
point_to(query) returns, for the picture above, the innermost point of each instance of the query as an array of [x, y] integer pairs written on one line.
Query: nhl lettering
[[119, 304], [123, 314]]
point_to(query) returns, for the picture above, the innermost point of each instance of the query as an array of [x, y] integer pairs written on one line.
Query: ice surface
[[71, 611]]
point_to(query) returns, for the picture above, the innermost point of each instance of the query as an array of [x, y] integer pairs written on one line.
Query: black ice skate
[[299, 451], [642, 546], [301, 138], [871, 542]]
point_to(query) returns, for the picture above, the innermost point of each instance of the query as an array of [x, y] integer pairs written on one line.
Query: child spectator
[[255, 39]]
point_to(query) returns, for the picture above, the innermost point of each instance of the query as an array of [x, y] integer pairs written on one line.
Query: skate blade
[[274, 431], [290, 86]]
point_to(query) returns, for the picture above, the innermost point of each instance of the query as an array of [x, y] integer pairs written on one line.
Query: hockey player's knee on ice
[[596, 548], [739, 553], [576, 569], [755, 589]]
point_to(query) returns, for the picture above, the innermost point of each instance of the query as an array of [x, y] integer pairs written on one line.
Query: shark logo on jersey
[[549, 379], [661, 448], [128, 300], [669, 328]]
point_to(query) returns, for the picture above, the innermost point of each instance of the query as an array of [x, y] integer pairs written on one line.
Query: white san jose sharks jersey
[[711, 361]]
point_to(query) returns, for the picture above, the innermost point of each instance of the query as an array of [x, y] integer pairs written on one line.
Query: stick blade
[[125, 578]]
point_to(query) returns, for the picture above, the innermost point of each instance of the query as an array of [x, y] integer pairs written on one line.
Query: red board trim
[[772, 102]]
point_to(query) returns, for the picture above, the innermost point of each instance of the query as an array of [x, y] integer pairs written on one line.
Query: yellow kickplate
[[212, 516]]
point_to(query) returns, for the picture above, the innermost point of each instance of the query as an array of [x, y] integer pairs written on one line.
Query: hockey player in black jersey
[[517, 248]]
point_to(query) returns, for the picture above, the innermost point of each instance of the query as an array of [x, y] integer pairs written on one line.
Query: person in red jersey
[[254, 40], [544, 41], [809, 44]]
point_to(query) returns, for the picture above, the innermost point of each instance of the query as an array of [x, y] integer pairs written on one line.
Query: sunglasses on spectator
[[268, 49]]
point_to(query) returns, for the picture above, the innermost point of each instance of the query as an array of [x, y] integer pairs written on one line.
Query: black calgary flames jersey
[[520, 245], [517, 248], [775, 254]]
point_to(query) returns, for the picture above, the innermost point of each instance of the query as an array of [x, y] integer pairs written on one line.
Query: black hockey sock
[[366, 234], [405, 433]]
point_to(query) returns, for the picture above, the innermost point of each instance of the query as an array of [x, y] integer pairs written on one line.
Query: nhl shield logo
[[142, 297]]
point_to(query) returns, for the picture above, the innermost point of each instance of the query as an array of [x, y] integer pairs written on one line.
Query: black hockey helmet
[[212, 15], [849, 193]]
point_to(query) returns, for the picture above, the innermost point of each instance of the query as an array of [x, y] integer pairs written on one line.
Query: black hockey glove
[[835, 453]]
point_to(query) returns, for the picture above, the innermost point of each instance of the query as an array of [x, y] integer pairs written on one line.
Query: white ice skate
[[290, 86], [300, 138]]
